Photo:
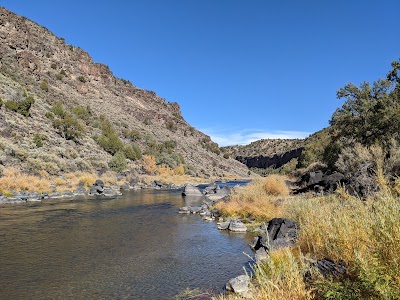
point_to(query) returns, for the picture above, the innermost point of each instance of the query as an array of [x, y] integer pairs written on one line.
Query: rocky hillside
[[266, 153], [264, 147], [61, 112]]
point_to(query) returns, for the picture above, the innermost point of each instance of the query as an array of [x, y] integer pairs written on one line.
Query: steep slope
[[56, 102]]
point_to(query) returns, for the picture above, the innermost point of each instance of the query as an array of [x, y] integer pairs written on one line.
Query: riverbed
[[135, 246]]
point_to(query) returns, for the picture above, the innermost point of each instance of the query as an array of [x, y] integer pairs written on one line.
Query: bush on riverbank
[[258, 199], [364, 234]]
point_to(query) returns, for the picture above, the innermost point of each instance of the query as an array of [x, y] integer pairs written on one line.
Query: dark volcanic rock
[[328, 268], [320, 182], [264, 162], [280, 232]]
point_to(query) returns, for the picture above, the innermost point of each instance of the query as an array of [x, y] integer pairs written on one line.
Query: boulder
[[260, 255], [211, 189], [239, 285], [315, 177], [160, 184], [331, 181], [328, 267], [223, 225], [99, 182], [320, 182], [191, 190], [97, 188], [237, 226], [232, 225], [219, 194], [279, 233], [111, 192]]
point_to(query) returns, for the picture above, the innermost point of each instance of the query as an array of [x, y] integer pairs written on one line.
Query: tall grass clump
[[257, 200], [364, 234]]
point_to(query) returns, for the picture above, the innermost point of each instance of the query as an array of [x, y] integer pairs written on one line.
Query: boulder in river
[[219, 194], [211, 189], [97, 188], [237, 226], [191, 190], [232, 225]]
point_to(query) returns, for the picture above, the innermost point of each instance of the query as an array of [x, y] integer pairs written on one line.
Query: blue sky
[[240, 70]]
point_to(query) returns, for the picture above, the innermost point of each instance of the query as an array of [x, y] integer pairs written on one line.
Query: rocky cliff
[[266, 153], [55, 105], [264, 162]]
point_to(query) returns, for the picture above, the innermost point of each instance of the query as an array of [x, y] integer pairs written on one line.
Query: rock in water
[[237, 226], [191, 190], [223, 225], [220, 194]]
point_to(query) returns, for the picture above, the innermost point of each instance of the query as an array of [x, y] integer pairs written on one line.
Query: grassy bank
[[13, 179], [365, 234]]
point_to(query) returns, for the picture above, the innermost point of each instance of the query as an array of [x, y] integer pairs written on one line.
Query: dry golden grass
[[364, 234], [281, 276], [13, 179], [258, 199]]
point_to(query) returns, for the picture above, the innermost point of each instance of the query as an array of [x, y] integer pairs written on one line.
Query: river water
[[135, 246]]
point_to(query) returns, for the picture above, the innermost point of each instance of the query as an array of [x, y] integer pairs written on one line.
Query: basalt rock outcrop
[[264, 162]]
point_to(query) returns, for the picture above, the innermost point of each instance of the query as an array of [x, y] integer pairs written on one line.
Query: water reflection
[[133, 247]]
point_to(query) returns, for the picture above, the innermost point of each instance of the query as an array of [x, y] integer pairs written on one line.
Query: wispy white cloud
[[244, 137]]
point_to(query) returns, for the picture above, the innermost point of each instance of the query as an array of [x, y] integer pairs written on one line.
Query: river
[[135, 246]]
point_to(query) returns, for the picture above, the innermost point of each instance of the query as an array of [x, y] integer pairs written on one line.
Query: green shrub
[[171, 160], [110, 143], [58, 109], [226, 155], [109, 140], [59, 77], [21, 107], [38, 140], [62, 72], [82, 79], [83, 113], [132, 152], [53, 66], [44, 85], [49, 115], [134, 135], [118, 163], [171, 144], [1, 102], [69, 127]]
